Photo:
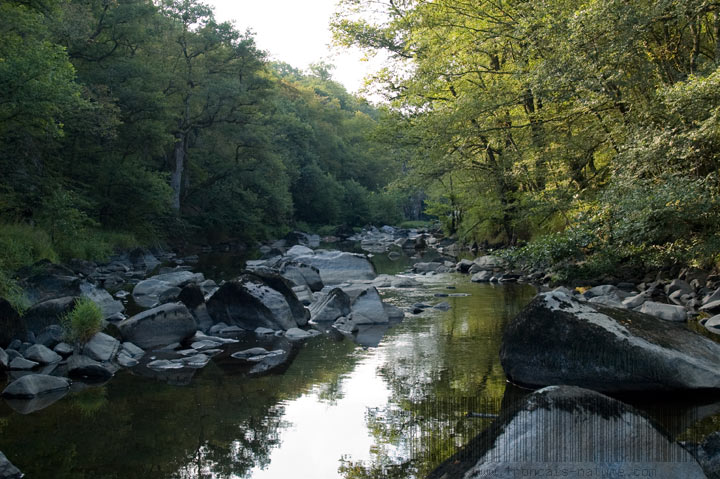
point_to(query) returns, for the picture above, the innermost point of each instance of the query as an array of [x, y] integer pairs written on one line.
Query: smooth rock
[[299, 250], [678, 285], [249, 353], [482, 277], [126, 361], [250, 303], [368, 308], [559, 340], [63, 349], [334, 305], [297, 334], [263, 331], [443, 306], [668, 312], [147, 293], [569, 429], [159, 326], [42, 354], [102, 347], [34, 385], [108, 305], [132, 350], [276, 282], [205, 344], [22, 364], [164, 365], [336, 267], [430, 267], [81, 366], [489, 262]]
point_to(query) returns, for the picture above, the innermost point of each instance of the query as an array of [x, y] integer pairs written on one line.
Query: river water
[[392, 404]]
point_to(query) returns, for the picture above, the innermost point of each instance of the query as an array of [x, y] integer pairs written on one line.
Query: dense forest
[[589, 128], [128, 122], [576, 132]]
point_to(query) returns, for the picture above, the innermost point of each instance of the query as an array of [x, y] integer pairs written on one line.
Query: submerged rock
[[581, 432], [558, 340]]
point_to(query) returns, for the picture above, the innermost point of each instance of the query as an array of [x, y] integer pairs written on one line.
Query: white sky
[[297, 32]]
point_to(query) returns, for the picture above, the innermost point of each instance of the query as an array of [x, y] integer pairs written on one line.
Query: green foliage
[[539, 121], [83, 322]]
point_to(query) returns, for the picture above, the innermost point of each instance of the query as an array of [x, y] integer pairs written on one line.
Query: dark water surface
[[340, 410]]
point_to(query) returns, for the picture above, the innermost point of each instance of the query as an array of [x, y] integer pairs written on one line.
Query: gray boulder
[[711, 307], [7, 469], [299, 250], [336, 267], [482, 277], [559, 340], [41, 354], [302, 274], [166, 324], [63, 349], [51, 282], [149, 292], [81, 366], [668, 312], [334, 305], [300, 313], [678, 285], [132, 350], [297, 334], [368, 308], [32, 385], [563, 428], [431, 267], [21, 364], [464, 266], [489, 262], [250, 303], [108, 305], [102, 347]]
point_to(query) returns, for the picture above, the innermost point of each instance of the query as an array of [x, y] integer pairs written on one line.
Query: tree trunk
[[177, 174]]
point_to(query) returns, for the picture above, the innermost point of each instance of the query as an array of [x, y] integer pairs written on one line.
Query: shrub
[[82, 322]]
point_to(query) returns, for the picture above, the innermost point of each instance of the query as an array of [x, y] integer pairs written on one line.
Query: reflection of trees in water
[[441, 369], [221, 425]]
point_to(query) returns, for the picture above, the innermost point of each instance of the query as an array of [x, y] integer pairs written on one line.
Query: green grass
[[416, 224], [82, 322]]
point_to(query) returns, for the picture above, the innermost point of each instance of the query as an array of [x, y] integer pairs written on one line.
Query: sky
[[297, 32]]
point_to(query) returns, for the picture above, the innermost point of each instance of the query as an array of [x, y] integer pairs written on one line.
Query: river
[[392, 404]]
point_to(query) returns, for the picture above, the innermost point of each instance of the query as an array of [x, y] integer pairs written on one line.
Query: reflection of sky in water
[[320, 432]]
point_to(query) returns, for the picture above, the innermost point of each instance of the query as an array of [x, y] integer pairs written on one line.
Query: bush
[[83, 322]]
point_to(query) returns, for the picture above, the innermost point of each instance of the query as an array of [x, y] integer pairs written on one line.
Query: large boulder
[[4, 359], [302, 274], [332, 306], [151, 291], [81, 366], [102, 347], [336, 267], [250, 303], [368, 308], [558, 340], [668, 312], [283, 286], [564, 431], [33, 385], [42, 355], [166, 324]]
